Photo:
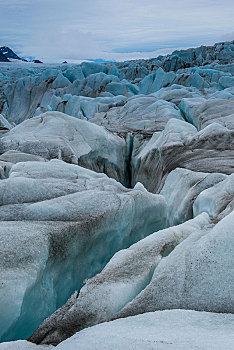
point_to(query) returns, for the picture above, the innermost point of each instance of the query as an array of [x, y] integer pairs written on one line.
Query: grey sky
[[55, 30]]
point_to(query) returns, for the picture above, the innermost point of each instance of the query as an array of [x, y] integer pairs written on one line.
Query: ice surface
[[197, 274], [156, 81], [182, 187], [60, 82], [217, 200], [60, 224], [57, 135], [161, 330], [124, 277], [180, 145], [92, 68], [23, 345], [226, 81], [17, 157], [27, 87], [139, 113], [86, 107], [4, 123], [201, 112], [169, 269], [163, 124]]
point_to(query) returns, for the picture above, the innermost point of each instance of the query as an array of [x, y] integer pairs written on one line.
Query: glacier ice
[[60, 82], [57, 135], [189, 186], [167, 330], [180, 145], [70, 213], [138, 113], [13, 156], [201, 112], [124, 277], [23, 345], [71, 137], [162, 330], [217, 201], [187, 278], [167, 270]]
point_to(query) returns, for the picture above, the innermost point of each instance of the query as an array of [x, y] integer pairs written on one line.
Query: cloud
[[78, 29], [227, 37], [14, 3], [62, 44], [126, 56]]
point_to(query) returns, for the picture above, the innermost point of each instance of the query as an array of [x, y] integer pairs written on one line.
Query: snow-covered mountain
[[3, 58], [9, 53]]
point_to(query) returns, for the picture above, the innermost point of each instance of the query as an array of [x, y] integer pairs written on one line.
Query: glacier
[[51, 202], [163, 330], [116, 203]]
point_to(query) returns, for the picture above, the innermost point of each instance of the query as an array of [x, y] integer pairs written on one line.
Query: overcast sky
[[55, 30]]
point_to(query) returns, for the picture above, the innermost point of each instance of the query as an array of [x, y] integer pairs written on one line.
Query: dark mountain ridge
[[9, 53], [3, 58]]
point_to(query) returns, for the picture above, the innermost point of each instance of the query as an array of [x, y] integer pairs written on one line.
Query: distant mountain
[[36, 61], [3, 58], [9, 53]]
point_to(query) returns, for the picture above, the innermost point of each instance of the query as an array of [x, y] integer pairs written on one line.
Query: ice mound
[[57, 135], [162, 330], [189, 186], [179, 145], [56, 219], [139, 114], [127, 274], [167, 330]]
